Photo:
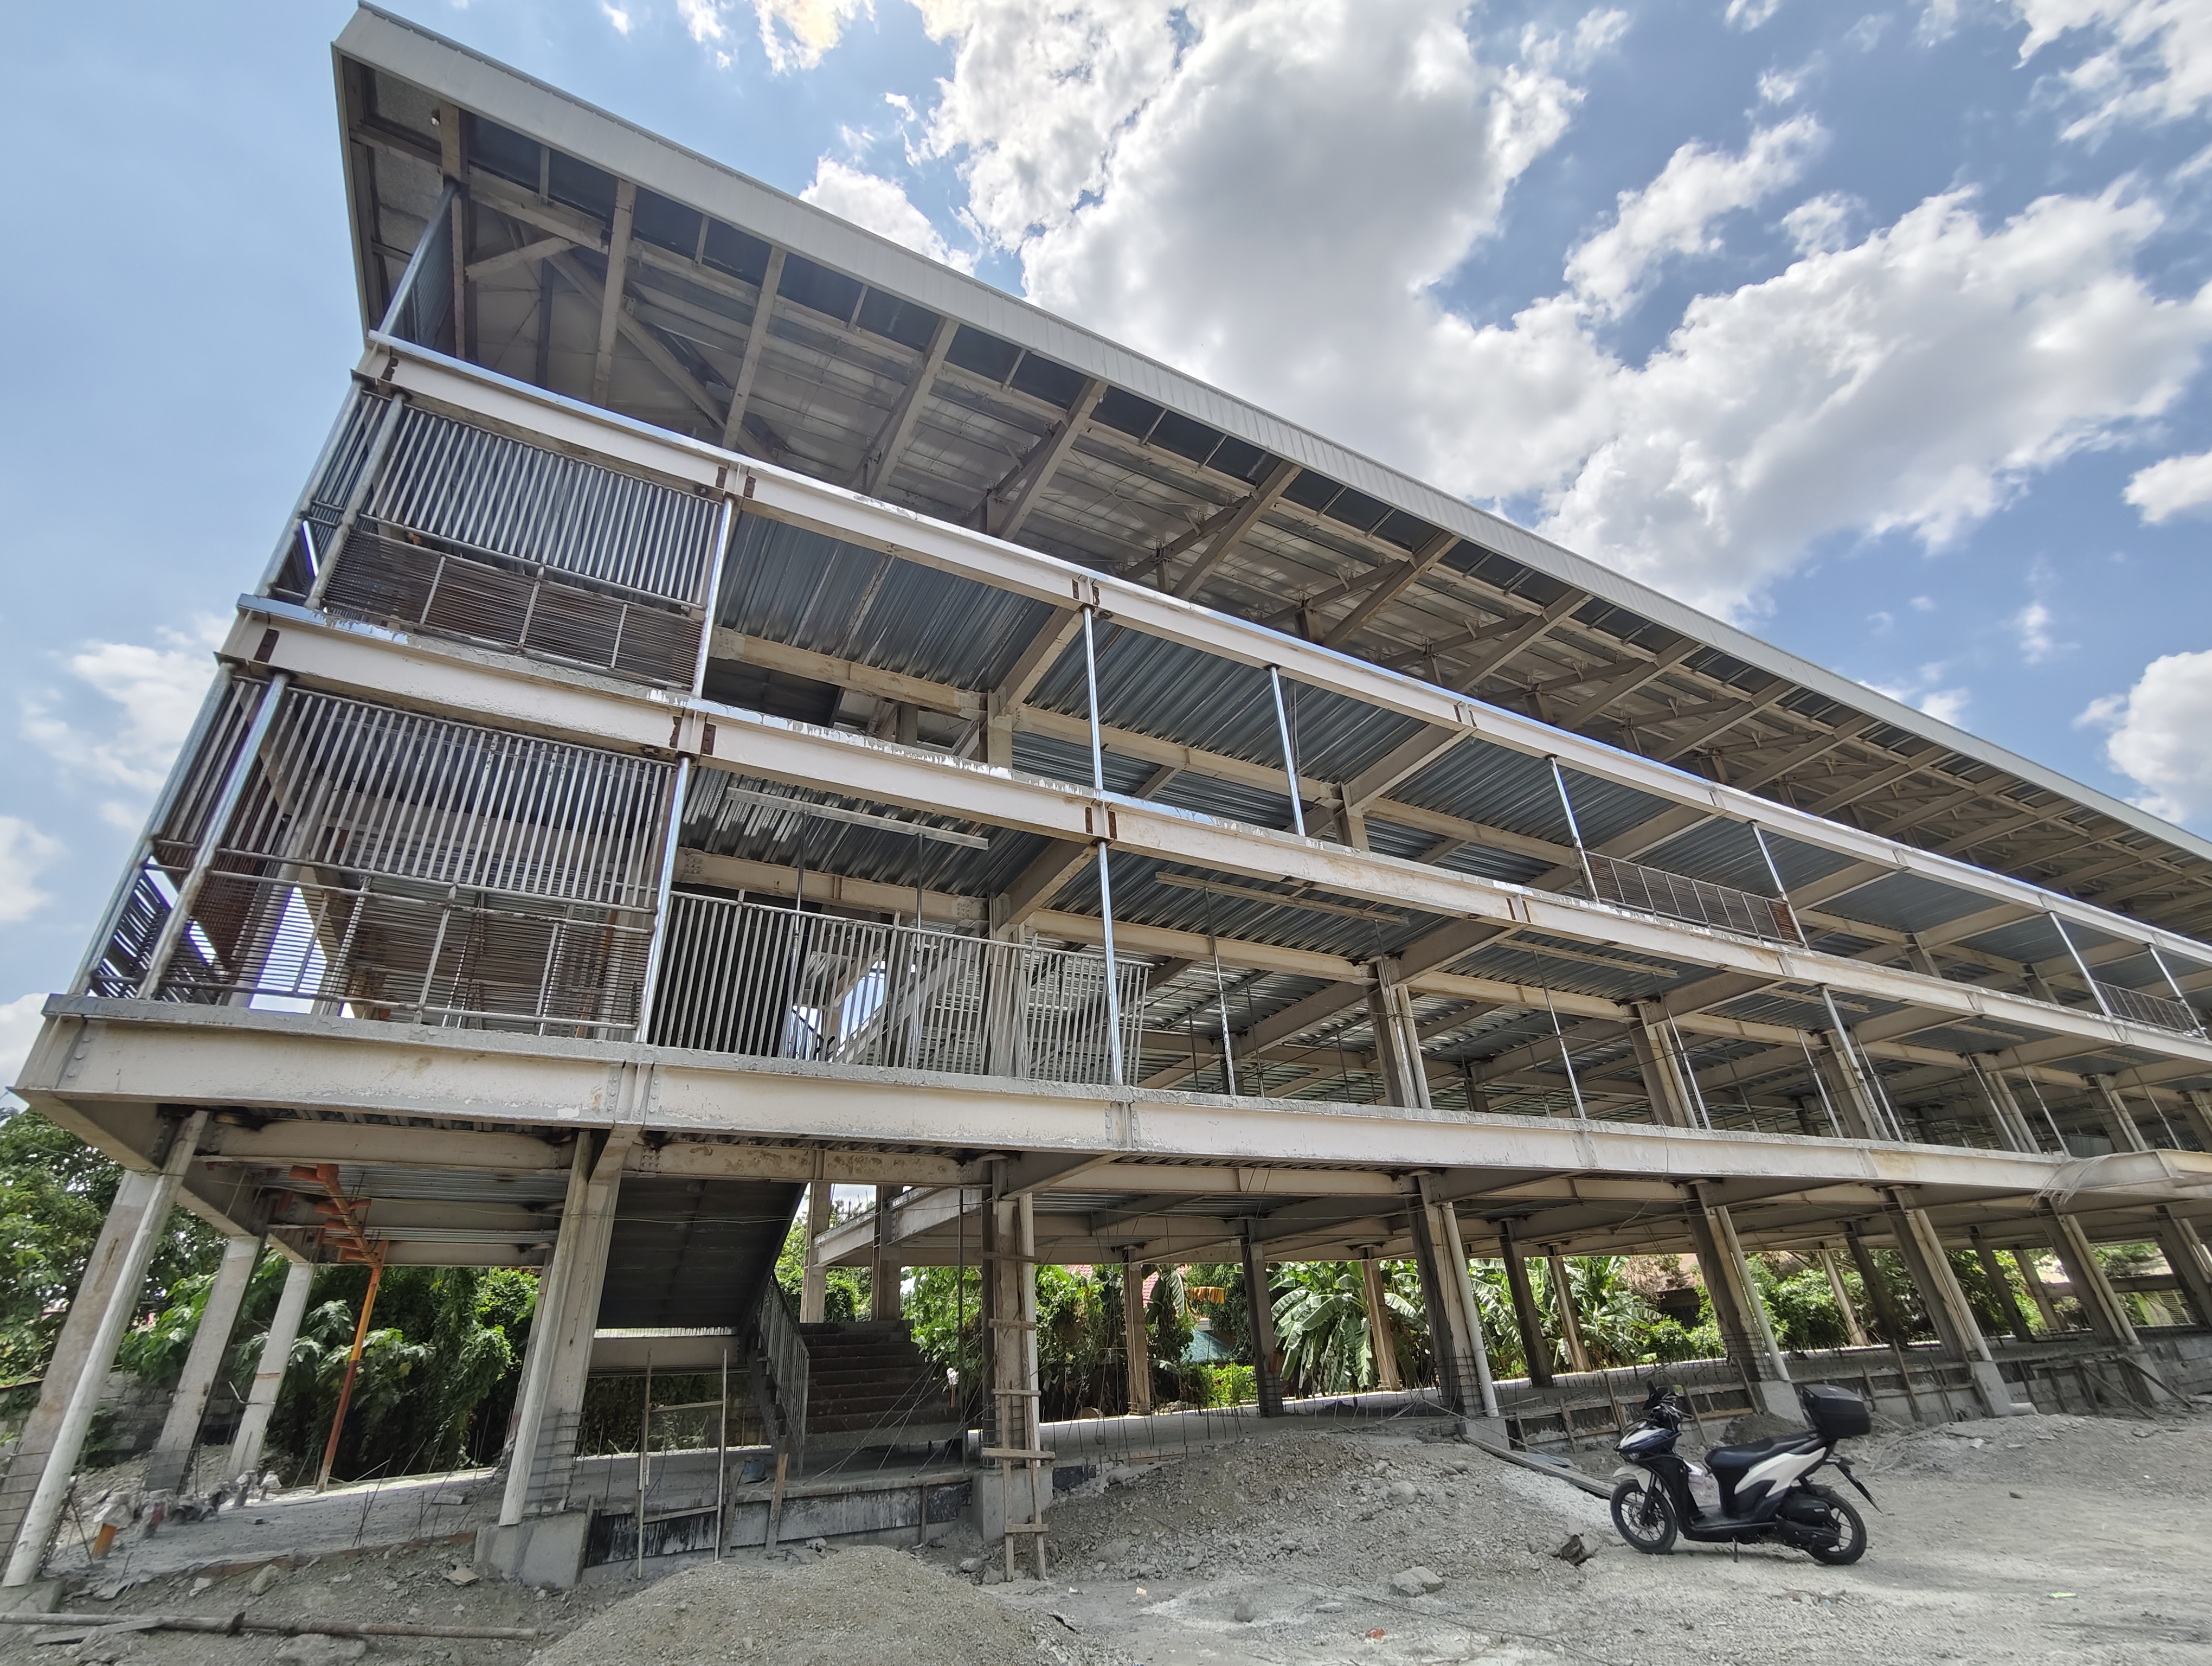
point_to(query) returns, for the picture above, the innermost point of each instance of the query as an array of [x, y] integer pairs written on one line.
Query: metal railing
[[782, 1361], [2155, 1010], [1697, 901], [469, 533], [383, 864], [773, 982]]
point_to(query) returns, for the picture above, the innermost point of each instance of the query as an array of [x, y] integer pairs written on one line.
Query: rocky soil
[[2043, 1539]]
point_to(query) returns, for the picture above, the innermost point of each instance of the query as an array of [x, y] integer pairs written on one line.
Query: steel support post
[[1571, 1323], [2024, 1257], [275, 1360], [1841, 1293], [108, 1293], [1737, 1311], [2200, 1115], [1260, 1316], [559, 1359], [1397, 1041], [1290, 753], [1948, 1310], [664, 882], [1455, 1339], [167, 1465], [884, 1271], [2080, 967], [1136, 1341], [1101, 843], [1887, 1320], [1664, 1084], [1461, 1279], [2185, 1253], [2101, 1304], [2118, 1122], [814, 1280], [725, 519], [1535, 1346], [1381, 1334], [2012, 1124], [2001, 1288], [1574, 827]]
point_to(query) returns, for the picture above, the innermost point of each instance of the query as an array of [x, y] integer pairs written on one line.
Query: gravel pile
[[850, 1607]]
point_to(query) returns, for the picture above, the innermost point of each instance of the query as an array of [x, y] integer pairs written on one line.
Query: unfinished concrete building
[[738, 708]]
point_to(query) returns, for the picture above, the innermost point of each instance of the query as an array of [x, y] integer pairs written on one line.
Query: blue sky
[[1883, 332]]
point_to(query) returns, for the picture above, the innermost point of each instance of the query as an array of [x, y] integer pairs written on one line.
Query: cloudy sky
[[1882, 332]]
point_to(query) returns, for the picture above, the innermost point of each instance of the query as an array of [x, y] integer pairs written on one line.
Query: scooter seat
[[1730, 1462]]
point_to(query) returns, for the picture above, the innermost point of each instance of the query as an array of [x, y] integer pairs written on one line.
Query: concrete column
[[2037, 1291], [2118, 1122], [1381, 1336], [268, 1375], [2001, 1288], [2014, 1131], [2101, 1306], [180, 1430], [1022, 1494], [1571, 1324], [559, 1354], [814, 1280], [1745, 1332], [1841, 1292], [1397, 1043], [1535, 1346], [884, 1272], [106, 1298], [1459, 1277], [1949, 1309], [1672, 1102], [2185, 1253], [1260, 1311], [1136, 1342]]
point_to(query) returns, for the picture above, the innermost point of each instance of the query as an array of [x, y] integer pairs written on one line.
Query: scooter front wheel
[[1644, 1515]]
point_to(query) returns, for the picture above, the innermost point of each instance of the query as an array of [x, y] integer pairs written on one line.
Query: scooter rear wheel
[[1644, 1515], [1849, 1529]]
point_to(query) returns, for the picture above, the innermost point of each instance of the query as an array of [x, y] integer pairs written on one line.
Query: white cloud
[[18, 1027], [880, 205], [1925, 692], [158, 691], [1750, 14], [704, 19], [2172, 487], [2154, 61], [1909, 383], [616, 16], [1039, 97], [2161, 733], [796, 34], [1675, 214], [2032, 624], [1269, 195], [24, 853]]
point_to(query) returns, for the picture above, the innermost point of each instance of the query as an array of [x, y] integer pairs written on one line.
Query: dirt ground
[[2034, 1539]]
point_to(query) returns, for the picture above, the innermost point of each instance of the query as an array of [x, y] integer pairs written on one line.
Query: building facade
[[738, 709]]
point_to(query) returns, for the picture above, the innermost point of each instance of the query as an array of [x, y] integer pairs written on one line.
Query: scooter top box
[[1837, 1414]]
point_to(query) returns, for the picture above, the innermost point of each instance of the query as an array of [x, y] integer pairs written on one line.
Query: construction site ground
[[2032, 1539]]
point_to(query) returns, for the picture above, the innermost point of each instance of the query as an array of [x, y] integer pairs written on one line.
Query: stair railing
[[784, 1366]]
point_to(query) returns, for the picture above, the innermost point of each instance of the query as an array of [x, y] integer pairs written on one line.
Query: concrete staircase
[[867, 1384]]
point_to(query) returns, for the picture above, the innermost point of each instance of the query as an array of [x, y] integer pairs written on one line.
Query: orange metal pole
[[353, 1366]]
